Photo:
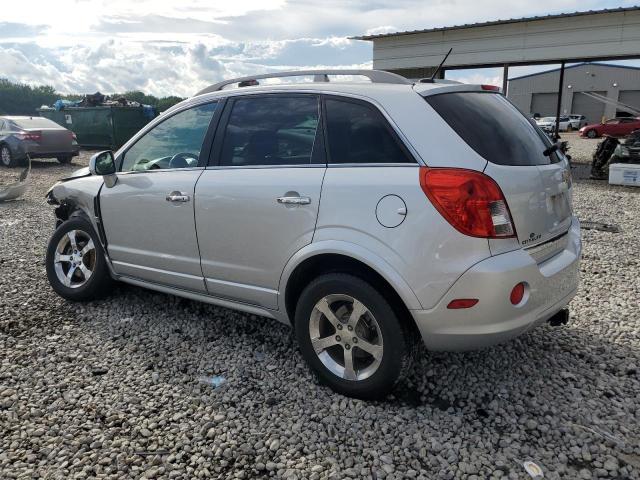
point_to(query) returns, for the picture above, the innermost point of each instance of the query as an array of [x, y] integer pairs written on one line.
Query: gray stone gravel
[[113, 388]]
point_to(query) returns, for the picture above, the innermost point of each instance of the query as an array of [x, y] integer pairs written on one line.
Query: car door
[[148, 214], [257, 202]]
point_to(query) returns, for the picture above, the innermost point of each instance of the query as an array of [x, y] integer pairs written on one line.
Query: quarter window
[[174, 143], [271, 130], [359, 133]]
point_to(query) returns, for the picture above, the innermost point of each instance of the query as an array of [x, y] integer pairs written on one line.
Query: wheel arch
[[343, 257]]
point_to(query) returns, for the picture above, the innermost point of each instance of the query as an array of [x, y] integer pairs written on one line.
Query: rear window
[[35, 122], [493, 127]]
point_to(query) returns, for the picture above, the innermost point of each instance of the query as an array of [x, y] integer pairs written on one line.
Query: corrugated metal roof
[[602, 64], [498, 22]]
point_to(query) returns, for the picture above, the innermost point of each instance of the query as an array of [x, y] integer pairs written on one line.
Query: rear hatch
[[537, 187]]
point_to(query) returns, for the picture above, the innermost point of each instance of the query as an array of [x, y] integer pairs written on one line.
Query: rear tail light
[[35, 136], [72, 135], [490, 88], [470, 201]]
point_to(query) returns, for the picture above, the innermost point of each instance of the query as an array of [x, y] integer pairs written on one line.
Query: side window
[[271, 130], [359, 133], [174, 143]]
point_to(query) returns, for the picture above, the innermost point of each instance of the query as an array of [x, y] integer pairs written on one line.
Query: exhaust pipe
[[560, 318]]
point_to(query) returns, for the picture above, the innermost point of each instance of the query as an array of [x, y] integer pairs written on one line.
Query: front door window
[[174, 143]]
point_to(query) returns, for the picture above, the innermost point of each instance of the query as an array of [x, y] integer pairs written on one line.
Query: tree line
[[23, 99]]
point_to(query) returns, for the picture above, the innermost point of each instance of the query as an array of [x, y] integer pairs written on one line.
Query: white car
[[577, 121], [548, 124], [366, 215]]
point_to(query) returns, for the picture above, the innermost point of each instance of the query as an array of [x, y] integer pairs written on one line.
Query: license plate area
[[559, 206]]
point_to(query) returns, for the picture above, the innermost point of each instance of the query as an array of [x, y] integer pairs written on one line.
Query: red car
[[615, 127]]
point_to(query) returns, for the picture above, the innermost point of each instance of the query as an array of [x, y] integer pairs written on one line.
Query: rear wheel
[[65, 159], [75, 262], [6, 157], [351, 336], [592, 134]]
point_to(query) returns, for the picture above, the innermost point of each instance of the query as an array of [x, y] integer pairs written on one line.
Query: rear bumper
[[551, 285], [38, 151]]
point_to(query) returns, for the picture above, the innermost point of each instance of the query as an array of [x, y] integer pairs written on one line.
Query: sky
[[178, 47]]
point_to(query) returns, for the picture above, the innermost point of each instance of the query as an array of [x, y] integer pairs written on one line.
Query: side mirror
[[103, 163]]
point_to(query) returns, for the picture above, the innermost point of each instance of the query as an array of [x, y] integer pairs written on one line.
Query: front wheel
[[592, 134], [351, 336], [75, 262]]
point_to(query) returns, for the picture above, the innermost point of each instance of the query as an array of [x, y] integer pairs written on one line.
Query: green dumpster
[[106, 127]]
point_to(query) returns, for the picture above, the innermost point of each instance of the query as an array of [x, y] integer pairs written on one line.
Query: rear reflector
[[491, 88], [470, 201], [462, 303], [517, 293]]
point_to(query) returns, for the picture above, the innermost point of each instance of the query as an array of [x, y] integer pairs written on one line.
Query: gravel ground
[[113, 388]]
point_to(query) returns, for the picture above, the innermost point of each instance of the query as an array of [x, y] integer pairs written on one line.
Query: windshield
[[493, 127]]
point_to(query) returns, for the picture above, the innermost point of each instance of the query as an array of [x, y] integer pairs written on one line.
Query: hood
[[81, 172]]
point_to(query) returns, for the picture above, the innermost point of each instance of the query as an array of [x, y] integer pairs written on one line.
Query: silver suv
[[366, 215]]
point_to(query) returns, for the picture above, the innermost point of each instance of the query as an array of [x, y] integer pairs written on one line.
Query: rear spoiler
[[427, 89]]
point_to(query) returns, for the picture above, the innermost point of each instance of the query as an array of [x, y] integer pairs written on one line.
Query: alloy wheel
[[346, 337], [75, 258], [5, 156]]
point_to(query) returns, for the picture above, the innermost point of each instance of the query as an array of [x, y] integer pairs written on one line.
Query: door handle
[[178, 197], [294, 200]]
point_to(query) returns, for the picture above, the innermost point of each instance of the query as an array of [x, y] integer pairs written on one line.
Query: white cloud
[[164, 47]]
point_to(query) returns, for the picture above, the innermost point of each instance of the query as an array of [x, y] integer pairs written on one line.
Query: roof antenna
[[433, 77]]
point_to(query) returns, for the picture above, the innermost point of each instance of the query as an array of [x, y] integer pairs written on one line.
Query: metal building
[[538, 92]]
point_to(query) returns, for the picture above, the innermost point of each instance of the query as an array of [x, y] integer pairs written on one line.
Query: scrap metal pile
[[614, 150], [100, 100]]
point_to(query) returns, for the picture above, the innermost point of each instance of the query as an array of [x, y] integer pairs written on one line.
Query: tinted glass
[[36, 122], [174, 143], [274, 130], [493, 127], [358, 133]]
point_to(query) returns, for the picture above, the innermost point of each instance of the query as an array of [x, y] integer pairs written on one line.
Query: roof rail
[[376, 76]]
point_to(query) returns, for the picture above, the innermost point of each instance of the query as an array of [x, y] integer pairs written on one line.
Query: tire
[[592, 134], [569, 128], [375, 374], [7, 158], [64, 160], [80, 286]]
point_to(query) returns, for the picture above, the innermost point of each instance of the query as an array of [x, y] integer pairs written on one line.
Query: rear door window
[[358, 133], [493, 127], [271, 130]]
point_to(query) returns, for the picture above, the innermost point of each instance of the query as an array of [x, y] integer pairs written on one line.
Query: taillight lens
[[35, 136], [470, 201], [517, 294], [72, 135]]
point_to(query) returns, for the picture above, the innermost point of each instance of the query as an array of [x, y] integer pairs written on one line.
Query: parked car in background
[[614, 127], [39, 137], [329, 206], [548, 124], [577, 121]]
